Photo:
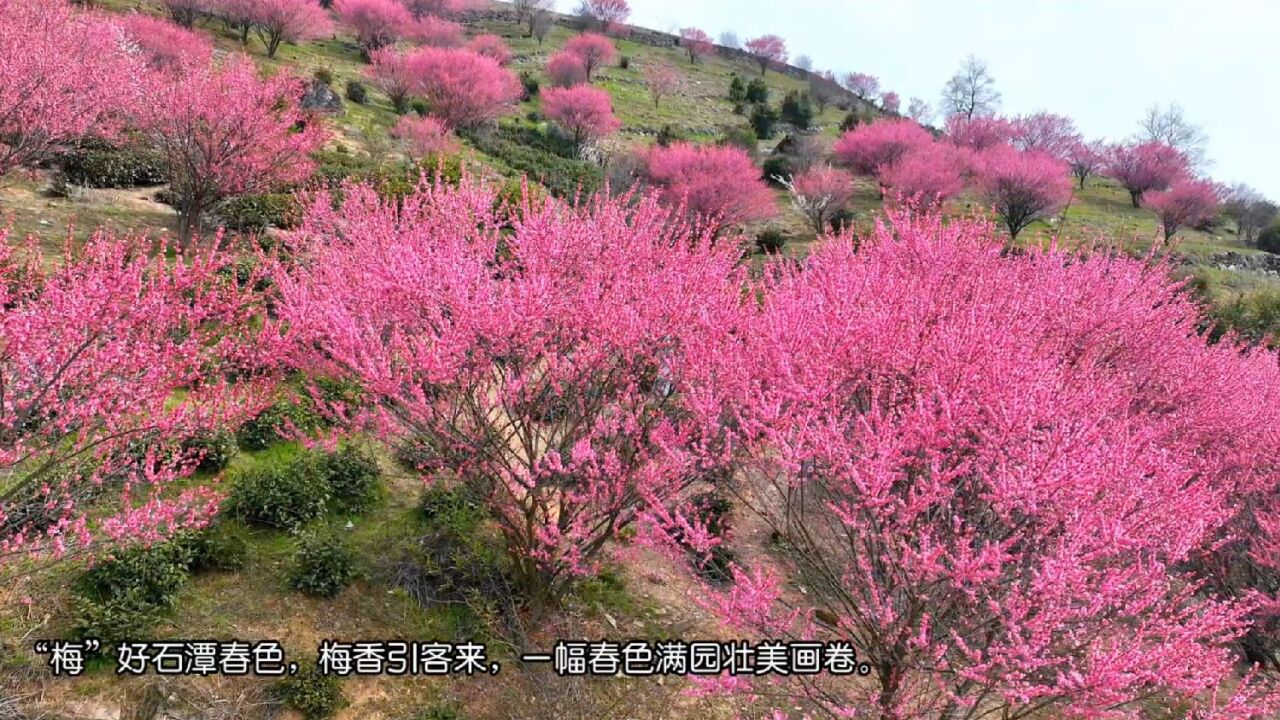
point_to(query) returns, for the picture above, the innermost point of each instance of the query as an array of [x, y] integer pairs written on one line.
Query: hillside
[[239, 583]]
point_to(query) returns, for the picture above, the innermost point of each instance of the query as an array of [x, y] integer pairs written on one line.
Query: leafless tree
[[729, 39], [804, 62], [920, 111], [540, 25], [1171, 127], [528, 11], [971, 91], [1251, 211]]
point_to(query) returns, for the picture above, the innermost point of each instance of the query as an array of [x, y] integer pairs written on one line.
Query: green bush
[[777, 166], [841, 219], [737, 90], [455, 561], [224, 545], [419, 106], [282, 495], [669, 135], [1269, 239], [356, 92], [757, 92], [324, 564], [441, 711], [542, 157], [763, 121], [100, 165], [269, 426], [771, 241], [1255, 317], [625, 62], [416, 453], [740, 136], [255, 213], [216, 448], [125, 595], [312, 693], [354, 478], [855, 118], [797, 110], [530, 83]]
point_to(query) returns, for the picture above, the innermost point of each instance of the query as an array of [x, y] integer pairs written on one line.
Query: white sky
[[1101, 62]]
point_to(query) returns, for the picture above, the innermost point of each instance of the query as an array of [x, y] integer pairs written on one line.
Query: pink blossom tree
[[890, 102], [377, 23], [1022, 187], [424, 137], [566, 69], [594, 50], [767, 50], [870, 149], [719, 183], [165, 45], [1187, 203], [492, 46], [926, 175], [979, 132], [65, 74], [819, 193], [1142, 167], [661, 80], [542, 362], [696, 42], [111, 356], [863, 85], [1086, 158], [291, 21], [609, 15], [436, 32], [991, 513], [389, 72], [584, 113], [236, 15], [1046, 132], [461, 87], [224, 131]]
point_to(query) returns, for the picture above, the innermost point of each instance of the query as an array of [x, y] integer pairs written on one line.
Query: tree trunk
[[1136, 197], [890, 684]]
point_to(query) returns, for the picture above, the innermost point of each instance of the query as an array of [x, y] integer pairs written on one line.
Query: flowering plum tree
[[542, 363], [720, 183], [870, 149], [767, 50], [927, 175], [224, 131], [1145, 166], [661, 80], [1086, 158], [389, 72], [566, 69], [890, 102], [595, 51], [863, 85], [377, 23], [65, 74], [992, 511], [696, 42], [819, 193], [436, 32], [110, 357], [186, 12], [607, 14], [292, 21], [492, 46], [1187, 202], [463, 88], [1046, 132], [584, 113], [424, 136], [1021, 186], [165, 45], [980, 132]]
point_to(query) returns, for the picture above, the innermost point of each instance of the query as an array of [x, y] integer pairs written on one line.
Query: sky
[[1101, 62]]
